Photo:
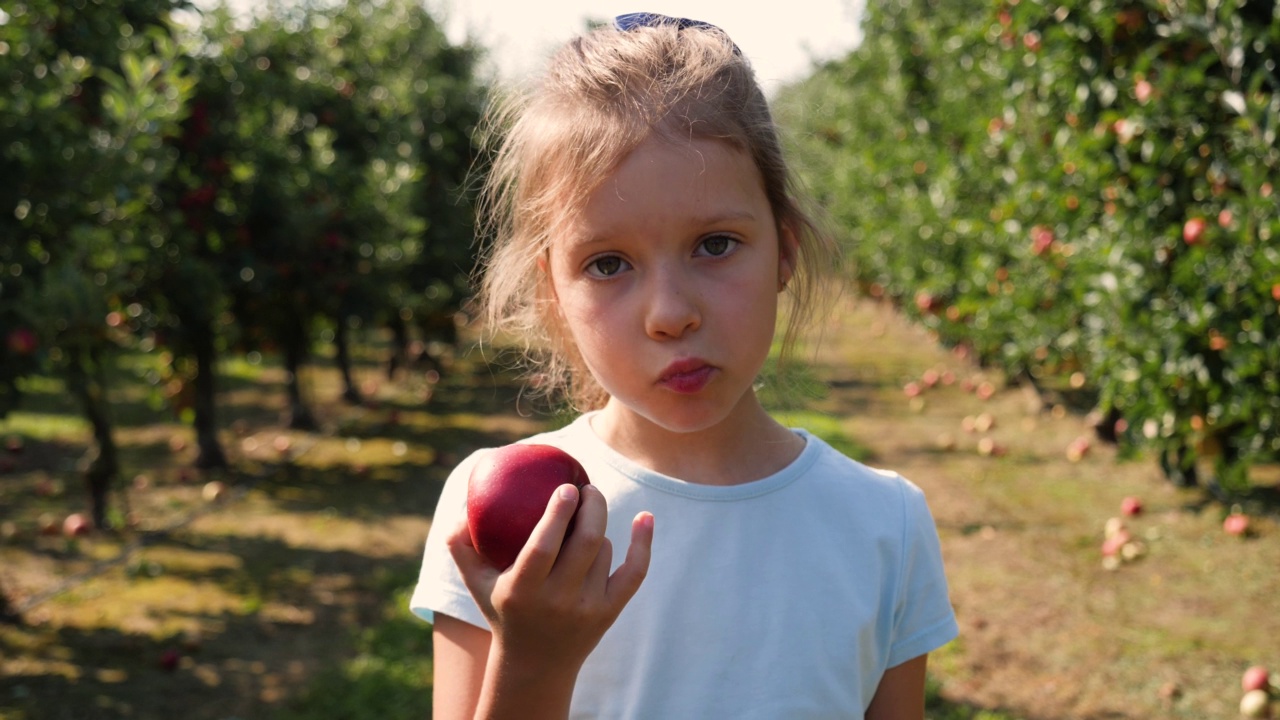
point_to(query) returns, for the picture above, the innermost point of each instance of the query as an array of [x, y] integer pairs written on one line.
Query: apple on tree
[[508, 492], [1193, 230]]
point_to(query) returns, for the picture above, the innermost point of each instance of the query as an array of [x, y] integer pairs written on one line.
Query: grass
[[387, 676], [288, 597]]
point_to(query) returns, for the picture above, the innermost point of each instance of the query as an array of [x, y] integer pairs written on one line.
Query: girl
[[645, 227]]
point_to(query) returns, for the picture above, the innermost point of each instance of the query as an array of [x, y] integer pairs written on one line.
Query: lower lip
[[689, 382]]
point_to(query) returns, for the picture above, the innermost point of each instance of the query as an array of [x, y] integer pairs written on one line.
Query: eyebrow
[[703, 221]]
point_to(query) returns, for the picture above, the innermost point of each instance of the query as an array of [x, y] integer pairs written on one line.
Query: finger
[[598, 574], [477, 574], [626, 580], [539, 554], [583, 546]]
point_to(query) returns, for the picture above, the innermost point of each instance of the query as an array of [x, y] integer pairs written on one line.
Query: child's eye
[[717, 245], [607, 266]]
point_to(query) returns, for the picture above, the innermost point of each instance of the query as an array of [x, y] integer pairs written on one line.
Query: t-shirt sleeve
[[923, 617], [440, 588]]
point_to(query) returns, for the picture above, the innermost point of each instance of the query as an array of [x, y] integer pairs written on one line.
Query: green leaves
[[1070, 148]]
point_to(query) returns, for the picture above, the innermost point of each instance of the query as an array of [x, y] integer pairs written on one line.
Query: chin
[[683, 416]]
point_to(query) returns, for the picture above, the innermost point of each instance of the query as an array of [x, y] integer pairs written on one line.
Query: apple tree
[[90, 93], [1080, 195], [322, 123]]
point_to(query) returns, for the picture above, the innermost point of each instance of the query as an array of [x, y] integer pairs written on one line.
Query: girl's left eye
[[606, 266], [717, 245]]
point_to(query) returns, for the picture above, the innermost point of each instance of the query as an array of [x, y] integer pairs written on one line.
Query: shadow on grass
[[258, 656]]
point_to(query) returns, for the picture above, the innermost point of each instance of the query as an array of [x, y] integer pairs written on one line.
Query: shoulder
[[832, 469], [563, 437]]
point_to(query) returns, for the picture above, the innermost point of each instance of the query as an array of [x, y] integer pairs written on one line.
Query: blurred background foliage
[[224, 185], [1078, 193]]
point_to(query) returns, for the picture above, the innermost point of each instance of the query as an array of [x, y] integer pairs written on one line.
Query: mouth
[[686, 376]]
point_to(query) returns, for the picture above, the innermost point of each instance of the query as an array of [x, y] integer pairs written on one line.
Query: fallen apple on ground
[[1236, 524], [1131, 506], [76, 525], [1255, 704], [214, 490], [1255, 678], [507, 495]]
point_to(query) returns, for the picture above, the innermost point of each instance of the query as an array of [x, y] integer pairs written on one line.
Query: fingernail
[[566, 492]]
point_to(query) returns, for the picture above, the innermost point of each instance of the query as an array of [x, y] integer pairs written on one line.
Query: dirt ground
[[1046, 631], [227, 608]]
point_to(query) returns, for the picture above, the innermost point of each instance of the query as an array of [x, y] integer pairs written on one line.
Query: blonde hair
[[603, 94]]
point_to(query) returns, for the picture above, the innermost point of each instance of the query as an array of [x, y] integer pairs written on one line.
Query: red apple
[[1236, 524], [1042, 238], [76, 525], [1255, 678], [1193, 230], [1078, 448], [1143, 90], [1131, 506], [169, 660], [1112, 545], [508, 492], [22, 341], [926, 303]]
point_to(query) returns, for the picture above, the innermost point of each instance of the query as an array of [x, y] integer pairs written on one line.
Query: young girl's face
[[668, 283]]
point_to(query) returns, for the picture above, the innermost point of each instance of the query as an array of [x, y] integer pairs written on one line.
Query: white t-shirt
[[786, 597]]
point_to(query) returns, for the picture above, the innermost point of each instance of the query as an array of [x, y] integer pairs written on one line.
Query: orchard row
[[1079, 194], [192, 184]]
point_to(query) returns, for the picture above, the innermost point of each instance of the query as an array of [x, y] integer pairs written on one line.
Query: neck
[[748, 445]]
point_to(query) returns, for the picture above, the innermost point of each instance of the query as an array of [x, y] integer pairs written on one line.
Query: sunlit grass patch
[[826, 427], [388, 676], [44, 426]]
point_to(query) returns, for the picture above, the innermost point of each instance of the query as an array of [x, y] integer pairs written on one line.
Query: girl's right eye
[[606, 266]]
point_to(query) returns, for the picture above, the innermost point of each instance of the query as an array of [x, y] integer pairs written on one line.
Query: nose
[[672, 304]]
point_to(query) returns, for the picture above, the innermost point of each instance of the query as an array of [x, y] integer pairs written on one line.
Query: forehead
[[662, 180]]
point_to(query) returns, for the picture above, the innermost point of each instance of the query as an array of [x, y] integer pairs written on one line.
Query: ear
[[788, 252]]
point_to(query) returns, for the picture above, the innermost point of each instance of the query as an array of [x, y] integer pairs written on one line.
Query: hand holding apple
[[507, 495], [549, 609]]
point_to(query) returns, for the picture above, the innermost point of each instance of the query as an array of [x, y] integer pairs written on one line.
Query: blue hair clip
[[631, 21]]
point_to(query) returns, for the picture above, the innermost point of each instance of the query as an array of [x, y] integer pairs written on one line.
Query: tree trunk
[[300, 417], [399, 345], [8, 614], [341, 344], [206, 403], [88, 383]]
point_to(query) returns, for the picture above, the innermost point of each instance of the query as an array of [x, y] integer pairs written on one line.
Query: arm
[[547, 612], [461, 651], [900, 695]]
